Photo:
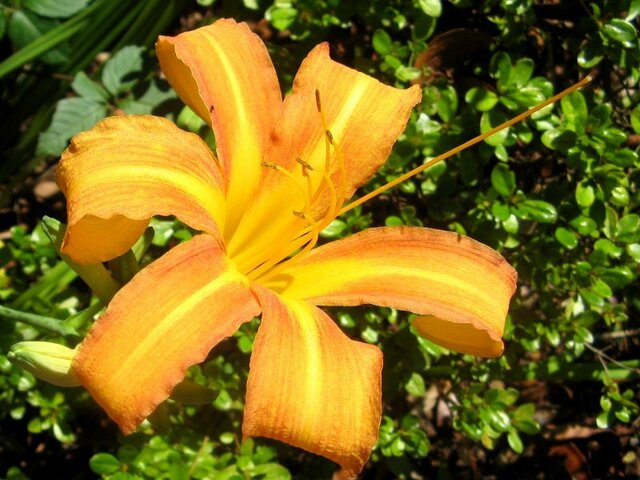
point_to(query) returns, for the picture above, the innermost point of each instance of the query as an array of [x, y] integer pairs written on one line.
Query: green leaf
[[447, 104], [281, 17], [56, 8], [503, 180], [104, 463], [492, 119], [537, 210], [87, 88], [621, 31], [574, 109], [628, 229], [25, 27], [515, 442], [382, 42], [500, 68], [585, 195], [634, 10], [415, 386], [566, 237], [634, 251], [591, 54], [334, 229], [521, 72], [480, 99], [72, 115], [433, 8], [121, 71], [635, 119], [601, 289], [3, 24]]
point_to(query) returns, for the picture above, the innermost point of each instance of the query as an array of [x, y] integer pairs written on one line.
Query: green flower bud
[[47, 361]]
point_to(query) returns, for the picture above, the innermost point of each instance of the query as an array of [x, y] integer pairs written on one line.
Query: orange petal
[[162, 322], [460, 287], [365, 119], [127, 169], [224, 73], [311, 386]]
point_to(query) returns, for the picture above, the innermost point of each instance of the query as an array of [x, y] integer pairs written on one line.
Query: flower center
[[308, 236], [284, 255]]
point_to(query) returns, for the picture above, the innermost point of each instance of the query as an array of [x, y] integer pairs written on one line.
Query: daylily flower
[[282, 173]]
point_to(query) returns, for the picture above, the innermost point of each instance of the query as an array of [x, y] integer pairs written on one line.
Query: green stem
[[46, 323]]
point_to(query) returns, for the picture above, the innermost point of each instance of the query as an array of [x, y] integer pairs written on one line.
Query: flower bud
[[47, 361]]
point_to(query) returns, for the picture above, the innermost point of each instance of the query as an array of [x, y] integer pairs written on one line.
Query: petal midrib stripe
[[172, 320]]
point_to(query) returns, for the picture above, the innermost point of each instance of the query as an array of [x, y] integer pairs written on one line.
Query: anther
[[269, 165], [318, 104], [329, 136], [299, 214], [305, 165]]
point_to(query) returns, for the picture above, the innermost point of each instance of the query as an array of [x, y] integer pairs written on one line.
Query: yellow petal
[[127, 169], [460, 287], [162, 322], [224, 73], [365, 119], [311, 386]]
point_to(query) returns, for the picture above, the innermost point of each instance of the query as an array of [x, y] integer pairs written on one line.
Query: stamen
[[465, 145], [308, 237], [329, 136], [306, 194], [305, 165]]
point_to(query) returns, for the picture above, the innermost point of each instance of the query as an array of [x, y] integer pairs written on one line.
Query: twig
[[602, 355]]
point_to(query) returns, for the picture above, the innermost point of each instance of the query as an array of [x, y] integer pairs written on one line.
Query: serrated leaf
[[87, 88], [72, 115], [121, 71], [56, 8]]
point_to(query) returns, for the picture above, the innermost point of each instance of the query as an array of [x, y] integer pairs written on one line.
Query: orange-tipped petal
[[311, 386], [127, 169], [460, 287], [162, 322], [365, 118], [224, 73]]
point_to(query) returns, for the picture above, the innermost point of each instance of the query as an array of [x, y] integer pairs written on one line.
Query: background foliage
[[557, 195]]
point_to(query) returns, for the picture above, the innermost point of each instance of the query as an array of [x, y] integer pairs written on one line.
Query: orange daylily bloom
[[282, 172]]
